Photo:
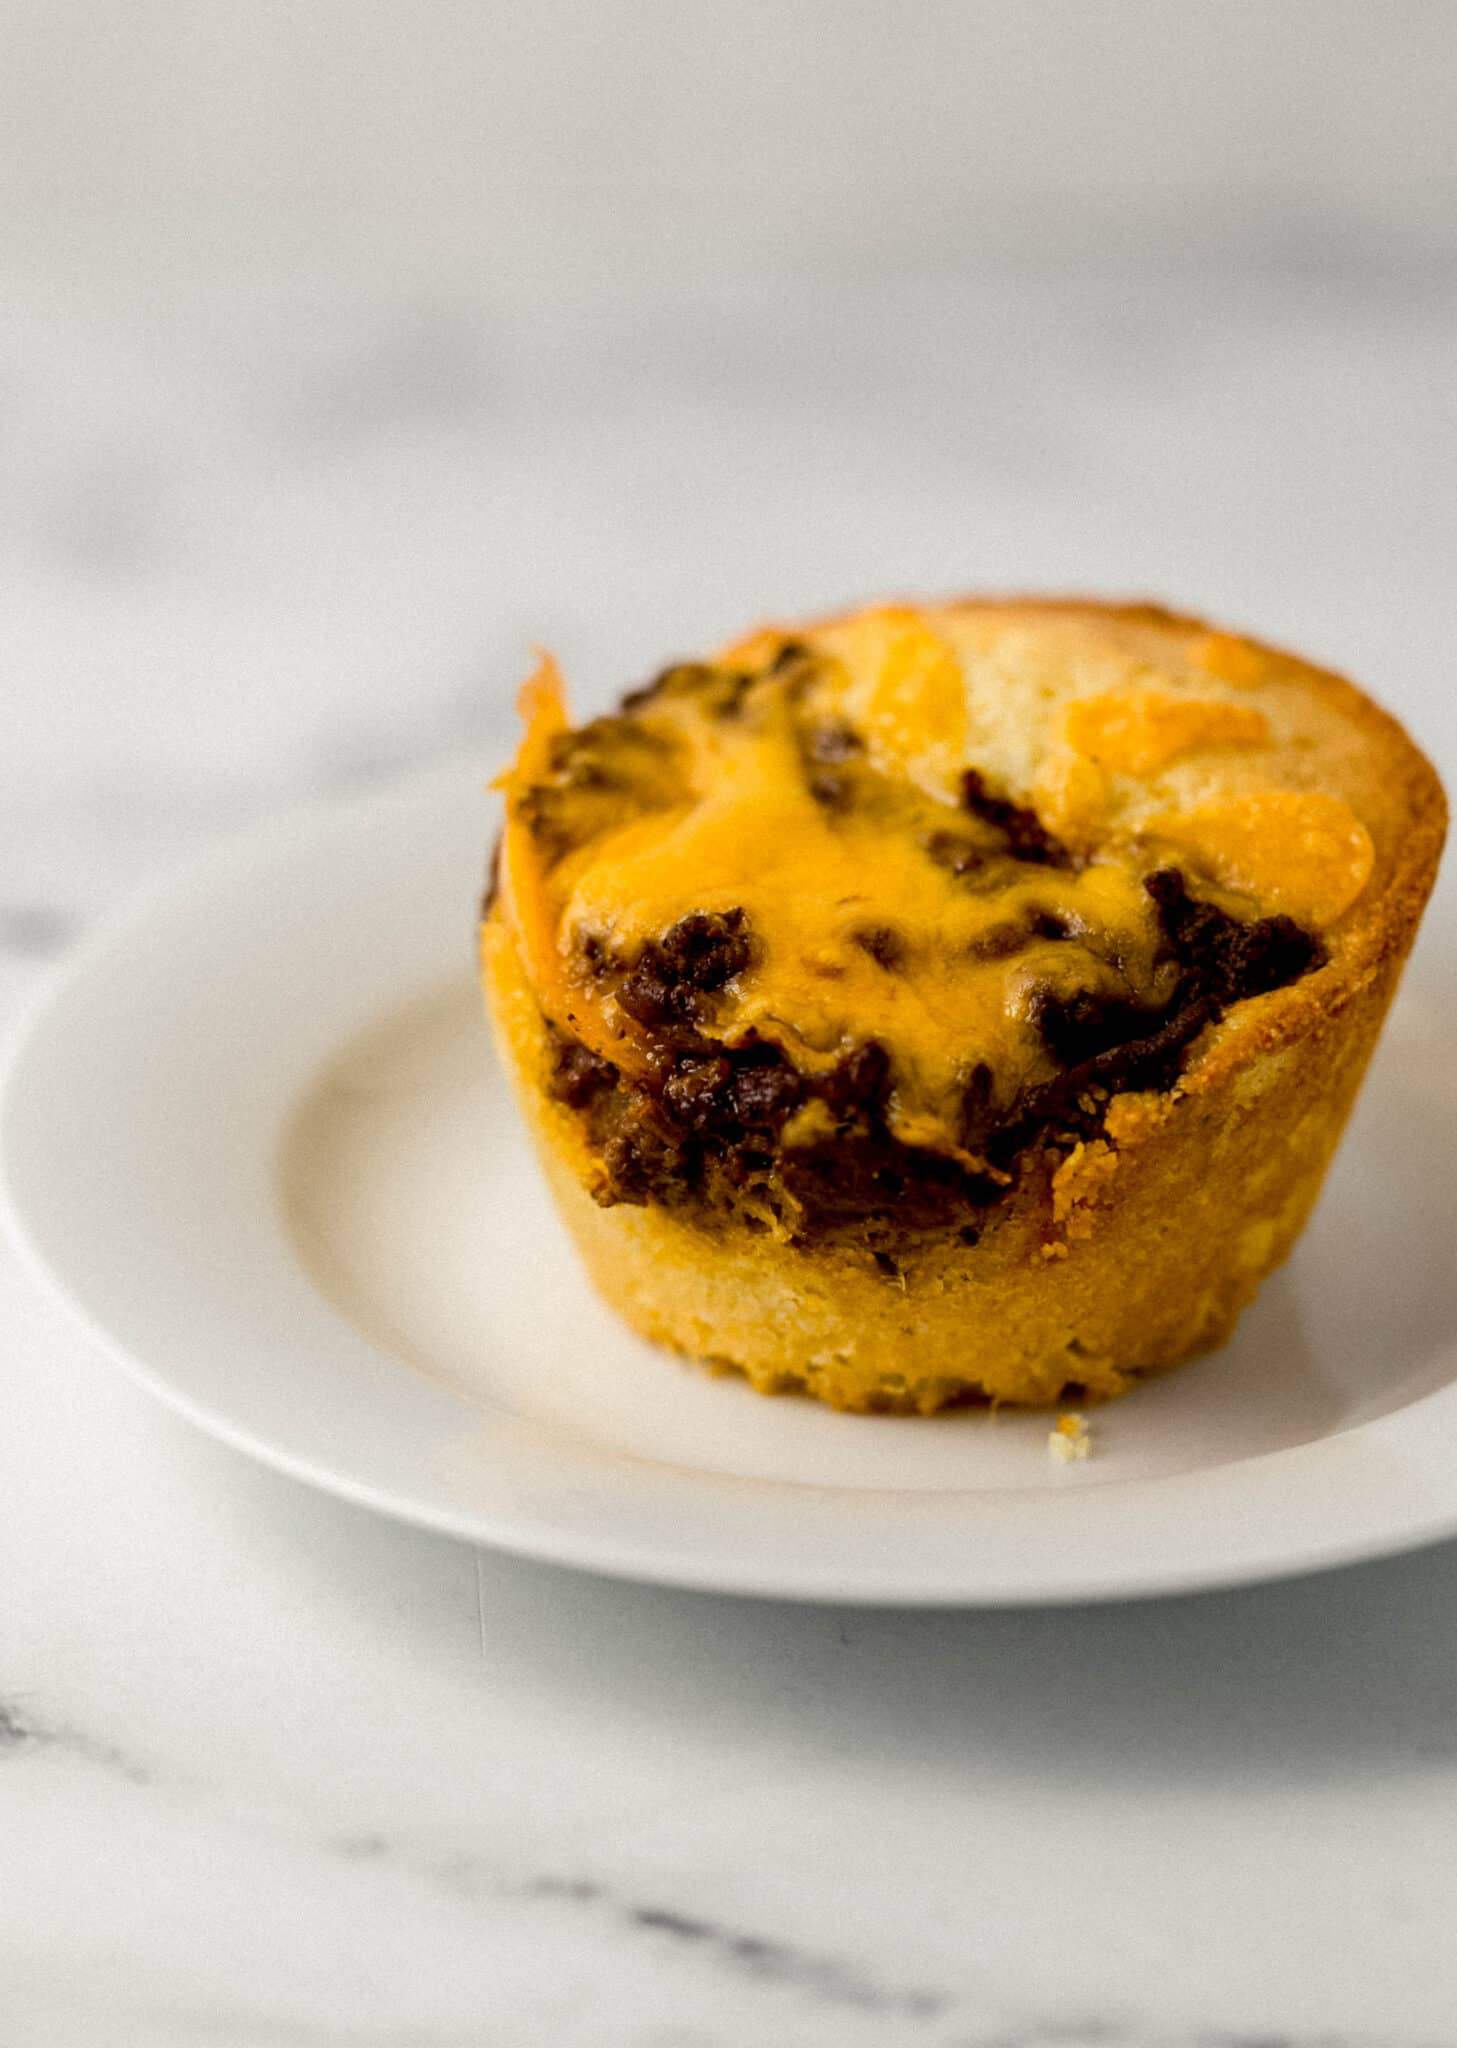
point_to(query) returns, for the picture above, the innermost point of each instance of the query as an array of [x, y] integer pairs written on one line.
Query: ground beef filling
[[704, 1130]]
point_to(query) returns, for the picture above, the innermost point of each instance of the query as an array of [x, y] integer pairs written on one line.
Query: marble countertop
[[275, 1773]]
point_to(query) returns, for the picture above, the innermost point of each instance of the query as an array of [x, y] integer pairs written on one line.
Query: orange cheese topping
[[526, 899], [818, 793], [1139, 732], [815, 888], [912, 702], [1231, 659], [1303, 851]]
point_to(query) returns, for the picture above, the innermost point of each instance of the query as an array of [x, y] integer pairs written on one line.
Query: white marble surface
[[275, 1772]]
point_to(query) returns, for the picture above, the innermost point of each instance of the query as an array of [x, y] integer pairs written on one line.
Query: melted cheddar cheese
[[816, 787], [1301, 850], [1138, 732]]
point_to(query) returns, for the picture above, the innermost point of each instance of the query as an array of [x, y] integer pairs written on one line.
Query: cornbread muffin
[[952, 1002]]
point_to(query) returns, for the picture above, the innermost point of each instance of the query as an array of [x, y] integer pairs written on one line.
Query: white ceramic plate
[[257, 1141]]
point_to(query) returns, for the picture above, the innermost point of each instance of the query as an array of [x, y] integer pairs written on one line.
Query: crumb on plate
[[1069, 1440]]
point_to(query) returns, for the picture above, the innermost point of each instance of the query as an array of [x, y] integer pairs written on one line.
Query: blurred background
[[350, 346]]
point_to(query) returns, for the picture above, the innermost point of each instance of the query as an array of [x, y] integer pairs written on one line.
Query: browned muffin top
[[855, 914]]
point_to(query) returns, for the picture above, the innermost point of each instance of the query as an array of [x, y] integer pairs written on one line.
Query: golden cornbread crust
[[1130, 1251]]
